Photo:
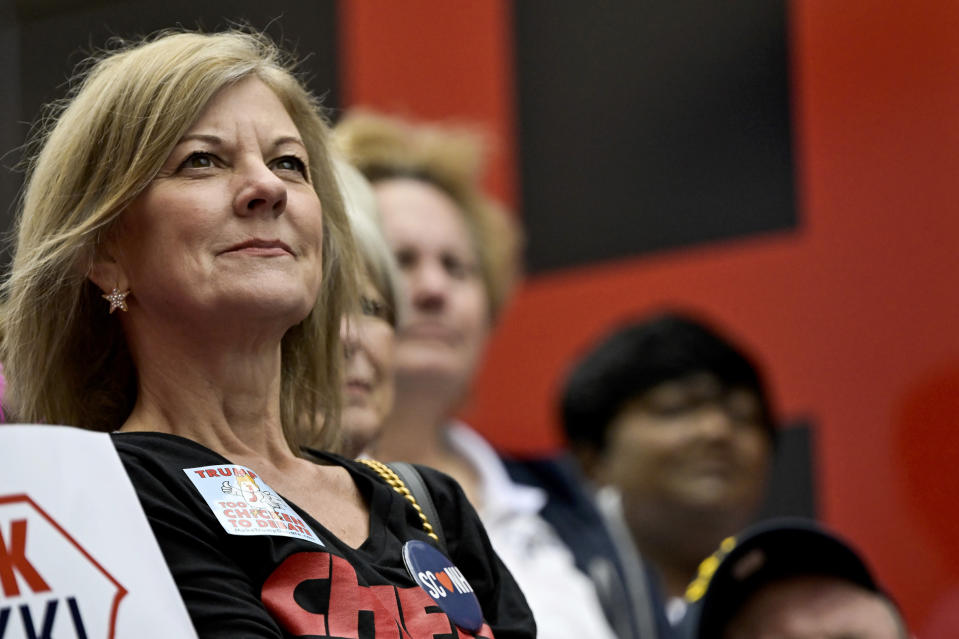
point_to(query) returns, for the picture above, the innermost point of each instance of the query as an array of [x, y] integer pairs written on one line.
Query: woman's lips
[[262, 248], [429, 330], [358, 385]]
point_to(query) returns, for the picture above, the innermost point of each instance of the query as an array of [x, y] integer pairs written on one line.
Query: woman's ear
[[106, 272]]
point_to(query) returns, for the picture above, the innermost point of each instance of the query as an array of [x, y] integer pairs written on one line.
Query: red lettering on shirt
[[390, 606], [277, 593], [348, 598], [421, 623]]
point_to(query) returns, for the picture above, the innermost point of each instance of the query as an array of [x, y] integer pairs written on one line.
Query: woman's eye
[[198, 160], [375, 308], [405, 258], [456, 267], [289, 163]]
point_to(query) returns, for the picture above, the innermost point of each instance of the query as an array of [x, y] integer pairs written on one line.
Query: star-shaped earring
[[117, 299]]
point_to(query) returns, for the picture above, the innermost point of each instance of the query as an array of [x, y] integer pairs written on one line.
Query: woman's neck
[[416, 432], [413, 431], [415, 428], [219, 393]]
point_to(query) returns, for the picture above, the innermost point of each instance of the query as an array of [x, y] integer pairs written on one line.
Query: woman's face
[[368, 344], [230, 228], [447, 321]]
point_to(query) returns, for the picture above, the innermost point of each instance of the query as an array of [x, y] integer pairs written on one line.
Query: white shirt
[[563, 599]]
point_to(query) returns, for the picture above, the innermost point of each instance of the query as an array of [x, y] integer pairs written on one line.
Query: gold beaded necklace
[[399, 486]]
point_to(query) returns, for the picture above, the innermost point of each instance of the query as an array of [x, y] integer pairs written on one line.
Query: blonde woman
[[181, 268]]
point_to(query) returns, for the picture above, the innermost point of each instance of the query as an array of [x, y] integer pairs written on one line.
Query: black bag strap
[[405, 479]]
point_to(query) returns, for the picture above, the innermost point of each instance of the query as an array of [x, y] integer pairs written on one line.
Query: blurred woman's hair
[[376, 256], [451, 159]]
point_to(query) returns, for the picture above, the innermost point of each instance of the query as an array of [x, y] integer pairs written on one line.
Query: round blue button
[[444, 583]]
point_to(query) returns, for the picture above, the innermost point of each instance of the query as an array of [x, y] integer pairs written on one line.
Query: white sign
[[77, 556]]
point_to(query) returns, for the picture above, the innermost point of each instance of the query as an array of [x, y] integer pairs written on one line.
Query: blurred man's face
[[690, 444], [814, 608]]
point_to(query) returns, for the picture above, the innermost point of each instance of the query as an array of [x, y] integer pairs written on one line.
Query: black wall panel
[[650, 124], [792, 485]]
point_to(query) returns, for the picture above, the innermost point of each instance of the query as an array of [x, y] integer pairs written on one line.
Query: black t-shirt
[[257, 583]]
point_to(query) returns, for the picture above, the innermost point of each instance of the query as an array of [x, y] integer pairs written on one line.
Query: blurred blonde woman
[[457, 252], [369, 334], [182, 265]]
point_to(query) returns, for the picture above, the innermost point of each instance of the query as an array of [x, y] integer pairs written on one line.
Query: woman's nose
[[429, 286], [349, 336], [261, 190]]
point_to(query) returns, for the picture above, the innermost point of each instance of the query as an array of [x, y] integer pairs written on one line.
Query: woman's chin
[[435, 361], [284, 308], [360, 426], [435, 374]]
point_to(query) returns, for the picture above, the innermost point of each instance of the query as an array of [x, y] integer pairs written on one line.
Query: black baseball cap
[[771, 550]]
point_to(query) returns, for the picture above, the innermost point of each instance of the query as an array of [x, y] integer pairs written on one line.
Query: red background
[[854, 312]]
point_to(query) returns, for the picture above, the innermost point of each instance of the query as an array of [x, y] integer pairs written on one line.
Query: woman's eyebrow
[[202, 137], [215, 140], [288, 139]]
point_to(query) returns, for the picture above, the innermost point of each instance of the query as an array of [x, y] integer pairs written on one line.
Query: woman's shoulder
[[442, 488], [379, 469]]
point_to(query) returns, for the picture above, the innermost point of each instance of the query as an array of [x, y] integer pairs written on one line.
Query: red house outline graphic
[[120, 590]]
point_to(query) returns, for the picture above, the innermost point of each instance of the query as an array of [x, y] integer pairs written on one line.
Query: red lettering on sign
[[13, 559]]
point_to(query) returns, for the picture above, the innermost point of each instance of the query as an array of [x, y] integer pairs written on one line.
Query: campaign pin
[[444, 583]]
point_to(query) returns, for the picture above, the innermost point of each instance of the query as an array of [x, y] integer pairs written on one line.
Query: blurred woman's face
[[447, 322], [231, 227], [368, 344]]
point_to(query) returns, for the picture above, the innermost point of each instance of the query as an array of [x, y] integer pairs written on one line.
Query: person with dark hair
[[672, 423], [788, 577]]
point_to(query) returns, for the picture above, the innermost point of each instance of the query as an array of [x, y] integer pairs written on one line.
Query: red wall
[[855, 312]]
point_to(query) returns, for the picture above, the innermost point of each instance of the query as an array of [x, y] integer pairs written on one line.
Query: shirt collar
[[501, 495]]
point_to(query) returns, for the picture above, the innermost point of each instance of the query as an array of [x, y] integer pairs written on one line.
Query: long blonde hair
[[65, 359]]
